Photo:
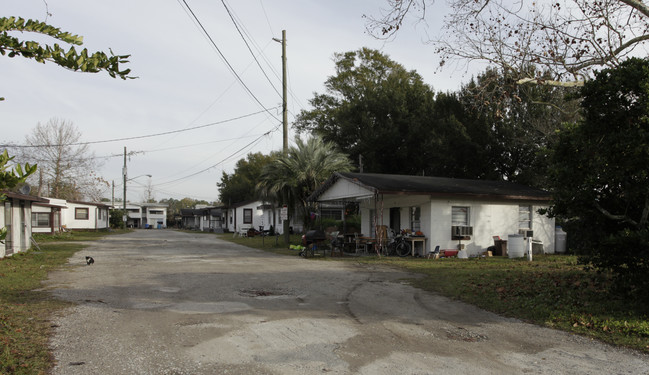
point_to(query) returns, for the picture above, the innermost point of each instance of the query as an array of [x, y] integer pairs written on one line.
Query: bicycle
[[397, 245]]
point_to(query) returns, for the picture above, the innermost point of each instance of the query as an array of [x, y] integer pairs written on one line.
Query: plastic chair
[[434, 253], [360, 247]]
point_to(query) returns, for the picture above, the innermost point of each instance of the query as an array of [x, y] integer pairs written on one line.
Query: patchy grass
[[26, 312], [552, 291], [76, 235], [272, 244]]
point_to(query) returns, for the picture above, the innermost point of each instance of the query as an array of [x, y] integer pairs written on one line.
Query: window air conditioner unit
[[461, 231], [526, 232]]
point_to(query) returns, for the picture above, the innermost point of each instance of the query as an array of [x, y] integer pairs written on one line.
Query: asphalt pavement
[[170, 302]]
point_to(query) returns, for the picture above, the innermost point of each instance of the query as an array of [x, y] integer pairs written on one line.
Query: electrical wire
[[249, 49], [232, 70], [220, 162], [143, 136]]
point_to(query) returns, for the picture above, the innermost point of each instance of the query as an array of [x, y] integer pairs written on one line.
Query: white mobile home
[[85, 215]]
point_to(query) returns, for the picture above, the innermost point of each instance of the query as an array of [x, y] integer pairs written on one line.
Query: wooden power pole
[[285, 222]]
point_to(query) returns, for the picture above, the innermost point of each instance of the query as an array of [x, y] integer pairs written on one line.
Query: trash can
[[560, 238], [501, 247], [515, 246]]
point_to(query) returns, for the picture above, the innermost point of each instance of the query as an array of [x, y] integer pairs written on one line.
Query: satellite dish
[[25, 189]]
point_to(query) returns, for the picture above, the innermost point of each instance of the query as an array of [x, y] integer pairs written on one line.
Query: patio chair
[[360, 244], [434, 253], [336, 245]]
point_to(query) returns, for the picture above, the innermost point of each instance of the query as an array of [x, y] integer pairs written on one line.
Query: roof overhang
[[355, 186]]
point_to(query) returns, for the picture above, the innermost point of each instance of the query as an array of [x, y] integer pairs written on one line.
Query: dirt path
[[165, 302]]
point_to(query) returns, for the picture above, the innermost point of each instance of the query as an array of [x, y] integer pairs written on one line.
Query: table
[[367, 243], [413, 241]]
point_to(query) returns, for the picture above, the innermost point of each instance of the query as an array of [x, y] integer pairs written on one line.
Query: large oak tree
[[600, 174], [376, 110]]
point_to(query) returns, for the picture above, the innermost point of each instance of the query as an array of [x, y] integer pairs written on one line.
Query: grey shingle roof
[[440, 186]]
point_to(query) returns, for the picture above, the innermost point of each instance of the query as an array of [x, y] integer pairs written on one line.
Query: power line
[[142, 136], [249, 49], [220, 162], [226, 61]]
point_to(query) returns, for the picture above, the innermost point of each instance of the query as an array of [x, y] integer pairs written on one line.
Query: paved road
[[166, 302]]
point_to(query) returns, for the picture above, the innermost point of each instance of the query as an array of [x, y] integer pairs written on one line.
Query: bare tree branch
[[622, 218], [569, 38]]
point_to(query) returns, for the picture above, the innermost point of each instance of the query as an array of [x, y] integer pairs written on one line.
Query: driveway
[[167, 302]]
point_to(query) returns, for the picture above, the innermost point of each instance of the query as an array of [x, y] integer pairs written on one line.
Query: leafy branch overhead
[[9, 178], [69, 59]]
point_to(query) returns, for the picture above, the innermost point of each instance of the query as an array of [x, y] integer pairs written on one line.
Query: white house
[[449, 212], [258, 214], [145, 215], [245, 215], [154, 215], [15, 216], [203, 218]]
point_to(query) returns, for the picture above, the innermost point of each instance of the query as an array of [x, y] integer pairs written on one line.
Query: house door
[[395, 219], [56, 221]]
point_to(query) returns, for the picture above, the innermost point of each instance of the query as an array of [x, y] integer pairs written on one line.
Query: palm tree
[[292, 177]]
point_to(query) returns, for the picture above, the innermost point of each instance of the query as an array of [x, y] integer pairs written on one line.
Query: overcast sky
[[183, 82]]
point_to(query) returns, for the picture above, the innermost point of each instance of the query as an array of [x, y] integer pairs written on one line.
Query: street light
[[125, 217]]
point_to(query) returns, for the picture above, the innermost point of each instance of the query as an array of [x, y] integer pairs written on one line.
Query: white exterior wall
[[93, 222], [488, 219], [260, 217], [544, 229], [154, 219], [21, 226], [256, 216]]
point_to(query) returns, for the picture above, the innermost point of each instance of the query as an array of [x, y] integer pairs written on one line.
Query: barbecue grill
[[313, 240]]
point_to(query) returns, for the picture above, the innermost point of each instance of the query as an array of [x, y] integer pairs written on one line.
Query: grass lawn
[[25, 313], [552, 291]]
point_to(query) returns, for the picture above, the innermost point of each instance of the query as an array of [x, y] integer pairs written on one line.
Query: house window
[[247, 215], [81, 213], [331, 214], [155, 212], [100, 215], [415, 218], [40, 219], [460, 216], [524, 217]]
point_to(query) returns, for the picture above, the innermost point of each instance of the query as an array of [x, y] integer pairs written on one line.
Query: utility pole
[[285, 226], [113, 196], [284, 90], [124, 175], [287, 235]]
